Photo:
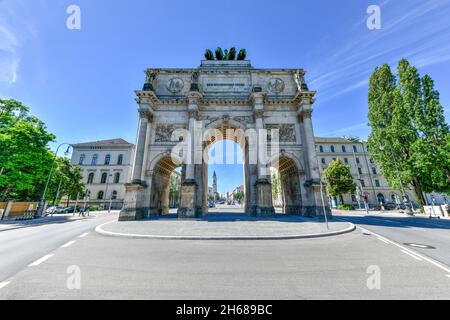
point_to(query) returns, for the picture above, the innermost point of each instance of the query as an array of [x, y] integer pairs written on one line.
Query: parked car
[[54, 210], [69, 210], [211, 204]]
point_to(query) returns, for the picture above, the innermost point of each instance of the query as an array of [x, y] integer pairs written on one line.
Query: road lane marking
[[433, 262], [4, 284], [411, 255], [84, 235], [68, 244], [382, 240], [41, 260]]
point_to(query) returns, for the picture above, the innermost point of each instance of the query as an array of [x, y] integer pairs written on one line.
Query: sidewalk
[[57, 218], [225, 226], [386, 214]]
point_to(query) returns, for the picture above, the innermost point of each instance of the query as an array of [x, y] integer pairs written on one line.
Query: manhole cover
[[418, 245]]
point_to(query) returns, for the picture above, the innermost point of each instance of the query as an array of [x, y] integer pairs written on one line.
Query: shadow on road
[[396, 222]]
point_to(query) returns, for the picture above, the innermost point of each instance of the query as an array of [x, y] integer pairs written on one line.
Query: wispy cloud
[[353, 130], [14, 30], [417, 30]]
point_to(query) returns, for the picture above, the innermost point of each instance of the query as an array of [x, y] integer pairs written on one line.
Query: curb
[[99, 230]]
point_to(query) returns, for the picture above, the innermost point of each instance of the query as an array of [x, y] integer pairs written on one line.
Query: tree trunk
[[419, 193]]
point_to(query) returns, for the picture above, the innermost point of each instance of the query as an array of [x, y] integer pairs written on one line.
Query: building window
[[332, 149], [334, 159], [117, 178], [357, 161], [120, 160], [354, 198], [94, 160], [346, 160], [372, 161], [321, 149], [360, 171], [363, 183], [114, 195], [107, 160], [90, 178], [324, 161], [344, 150], [374, 170], [88, 194], [100, 196], [377, 183], [380, 198], [355, 149], [82, 158], [104, 177]]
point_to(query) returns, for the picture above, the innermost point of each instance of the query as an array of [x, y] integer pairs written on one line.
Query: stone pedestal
[[264, 206], [132, 209], [188, 205], [314, 207]]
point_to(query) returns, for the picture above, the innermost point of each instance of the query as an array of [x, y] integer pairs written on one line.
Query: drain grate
[[418, 245]]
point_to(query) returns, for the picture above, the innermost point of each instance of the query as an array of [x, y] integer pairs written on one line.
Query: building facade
[[207, 102], [367, 174], [106, 167]]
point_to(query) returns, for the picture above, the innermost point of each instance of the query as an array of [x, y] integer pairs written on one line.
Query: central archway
[[225, 140]]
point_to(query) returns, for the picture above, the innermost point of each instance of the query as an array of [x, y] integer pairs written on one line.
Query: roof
[[332, 140], [119, 142]]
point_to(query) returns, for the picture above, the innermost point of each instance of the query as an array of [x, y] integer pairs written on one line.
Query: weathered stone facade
[[224, 95]]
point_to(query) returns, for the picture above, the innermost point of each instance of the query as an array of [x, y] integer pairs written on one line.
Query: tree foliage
[[25, 159], [339, 179], [409, 135]]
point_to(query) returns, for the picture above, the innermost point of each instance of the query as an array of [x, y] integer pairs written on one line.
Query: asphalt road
[[329, 268], [21, 247], [428, 237]]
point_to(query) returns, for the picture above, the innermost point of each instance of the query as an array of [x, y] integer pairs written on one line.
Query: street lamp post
[[405, 198], [360, 186], [321, 195], [42, 202], [106, 193]]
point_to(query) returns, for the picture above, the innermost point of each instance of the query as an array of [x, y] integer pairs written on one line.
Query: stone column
[[135, 202], [313, 203], [145, 119], [264, 201], [189, 206]]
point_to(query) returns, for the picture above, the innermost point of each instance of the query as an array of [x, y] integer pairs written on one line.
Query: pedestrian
[[88, 210], [81, 212]]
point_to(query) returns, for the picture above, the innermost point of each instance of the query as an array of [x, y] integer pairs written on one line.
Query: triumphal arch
[[184, 111]]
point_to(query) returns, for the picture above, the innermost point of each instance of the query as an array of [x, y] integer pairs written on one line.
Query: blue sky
[[81, 82]]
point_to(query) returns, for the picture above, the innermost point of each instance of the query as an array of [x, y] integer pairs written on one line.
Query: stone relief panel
[[286, 132], [276, 85], [175, 85], [164, 132]]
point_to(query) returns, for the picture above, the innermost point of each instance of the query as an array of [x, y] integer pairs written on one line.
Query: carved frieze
[[164, 132], [286, 132]]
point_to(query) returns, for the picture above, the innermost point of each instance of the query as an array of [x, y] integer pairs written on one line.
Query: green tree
[[339, 180], [70, 178], [239, 196], [409, 134], [276, 187], [25, 159]]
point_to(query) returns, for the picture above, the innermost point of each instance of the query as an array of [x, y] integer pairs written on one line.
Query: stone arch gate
[[193, 108]]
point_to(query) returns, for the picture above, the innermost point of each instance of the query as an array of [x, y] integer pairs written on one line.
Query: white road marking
[[4, 284], [411, 255], [68, 244], [84, 235], [41, 260], [433, 262], [382, 240]]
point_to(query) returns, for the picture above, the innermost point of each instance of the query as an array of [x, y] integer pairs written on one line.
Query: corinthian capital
[[145, 114]]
